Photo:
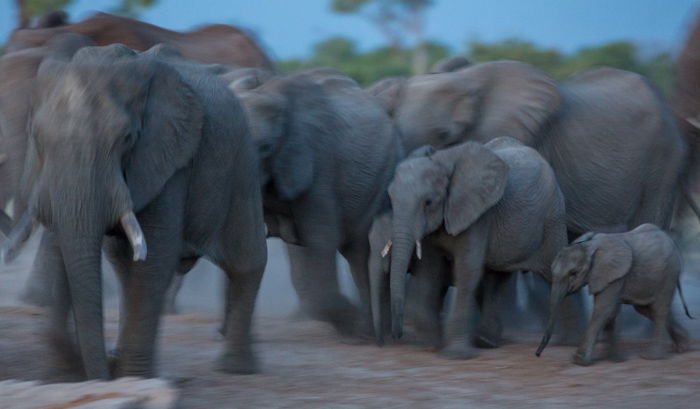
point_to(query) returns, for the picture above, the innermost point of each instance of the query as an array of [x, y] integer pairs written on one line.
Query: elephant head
[[286, 114], [593, 259], [478, 103], [108, 130], [451, 188]]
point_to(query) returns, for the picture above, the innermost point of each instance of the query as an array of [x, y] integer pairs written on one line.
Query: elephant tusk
[[419, 250], [135, 235], [386, 249], [695, 121]]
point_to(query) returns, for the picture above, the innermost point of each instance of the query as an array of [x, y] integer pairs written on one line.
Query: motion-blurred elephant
[[493, 208], [144, 150], [216, 43], [641, 267], [328, 151]]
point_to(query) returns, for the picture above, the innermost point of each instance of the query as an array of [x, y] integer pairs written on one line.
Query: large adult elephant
[[687, 95], [141, 149], [328, 152], [215, 43]]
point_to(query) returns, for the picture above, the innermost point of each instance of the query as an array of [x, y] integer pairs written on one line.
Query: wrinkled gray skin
[[588, 128], [615, 170], [494, 208], [328, 152], [115, 133], [640, 267]]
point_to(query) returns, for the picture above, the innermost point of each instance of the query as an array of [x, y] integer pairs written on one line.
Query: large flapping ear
[[519, 100], [611, 259], [170, 130], [308, 116], [477, 183], [388, 92]]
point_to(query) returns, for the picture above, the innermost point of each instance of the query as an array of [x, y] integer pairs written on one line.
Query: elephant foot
[[237, 364], [616, 356], [460, 351], [655, 353], [113, 361], [580, 359], [681, 346], [66, 362]]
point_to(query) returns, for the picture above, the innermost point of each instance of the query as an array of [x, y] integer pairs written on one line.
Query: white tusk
[[695, 121], [135, 235], [386, 249], [419, 250]]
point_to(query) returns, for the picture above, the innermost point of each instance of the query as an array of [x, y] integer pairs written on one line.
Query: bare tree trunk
[[419, 58], [22, 14]]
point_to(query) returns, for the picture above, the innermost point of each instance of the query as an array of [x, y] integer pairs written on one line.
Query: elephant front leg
[[468, 268], [605, 305], [357, 255], [429, 285]]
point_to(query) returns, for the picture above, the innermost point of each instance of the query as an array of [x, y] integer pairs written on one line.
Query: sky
[[289, 28]]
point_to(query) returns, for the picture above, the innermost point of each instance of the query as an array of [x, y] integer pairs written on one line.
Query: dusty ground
[[304, 364]]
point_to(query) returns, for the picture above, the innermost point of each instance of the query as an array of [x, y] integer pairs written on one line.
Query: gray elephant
[[640, 267], [328, 152], [494, 208], [128, 149]]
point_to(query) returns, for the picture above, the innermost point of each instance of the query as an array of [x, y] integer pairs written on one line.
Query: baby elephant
[[640, 267]]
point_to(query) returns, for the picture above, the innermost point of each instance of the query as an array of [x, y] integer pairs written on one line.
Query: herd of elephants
[[157, 148]]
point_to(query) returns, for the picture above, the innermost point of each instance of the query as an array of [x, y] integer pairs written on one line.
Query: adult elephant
[[328, 151], [687, 95], [216, 43], [608, 134], [142, 149]]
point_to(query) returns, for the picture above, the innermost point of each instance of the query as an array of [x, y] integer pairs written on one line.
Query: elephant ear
[[611, 260], [477, 183], [169, 130], [307, 117], [518, 100], [388, 92]]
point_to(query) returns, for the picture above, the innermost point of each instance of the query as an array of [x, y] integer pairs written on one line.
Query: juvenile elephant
[[141, 149], [328, 152], [493, 207], [639, 267]]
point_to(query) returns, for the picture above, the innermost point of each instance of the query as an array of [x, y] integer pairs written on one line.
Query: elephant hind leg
[[656, 349], [679, 335], [357, 256], [489, 331]]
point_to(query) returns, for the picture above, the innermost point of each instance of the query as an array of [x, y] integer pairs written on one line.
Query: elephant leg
[[144, 283], [659, 316], [606, 304], [357, 255], [37, 290], [468, 268], [488, 334], [613, 353], [428, 283], [679, 335], [315, 279], [571, 319]]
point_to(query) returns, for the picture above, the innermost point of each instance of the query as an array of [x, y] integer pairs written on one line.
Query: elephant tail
[[680, 294]]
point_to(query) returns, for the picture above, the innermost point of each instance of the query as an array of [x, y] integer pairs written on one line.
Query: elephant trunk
[[377, 287], [81, 251], [555, 299], [402, 250]]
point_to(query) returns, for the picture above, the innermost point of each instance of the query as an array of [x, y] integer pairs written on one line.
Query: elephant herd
[[159, 148]]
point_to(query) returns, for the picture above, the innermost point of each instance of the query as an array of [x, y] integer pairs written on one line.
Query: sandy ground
[[304, 364]]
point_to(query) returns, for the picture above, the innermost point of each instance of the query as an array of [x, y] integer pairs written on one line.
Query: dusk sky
[[288, 28]]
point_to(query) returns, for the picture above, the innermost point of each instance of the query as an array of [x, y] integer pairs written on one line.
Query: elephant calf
[[639, 267]]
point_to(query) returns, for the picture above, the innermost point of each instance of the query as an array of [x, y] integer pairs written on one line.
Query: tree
[[29, 9], [394, 19]]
